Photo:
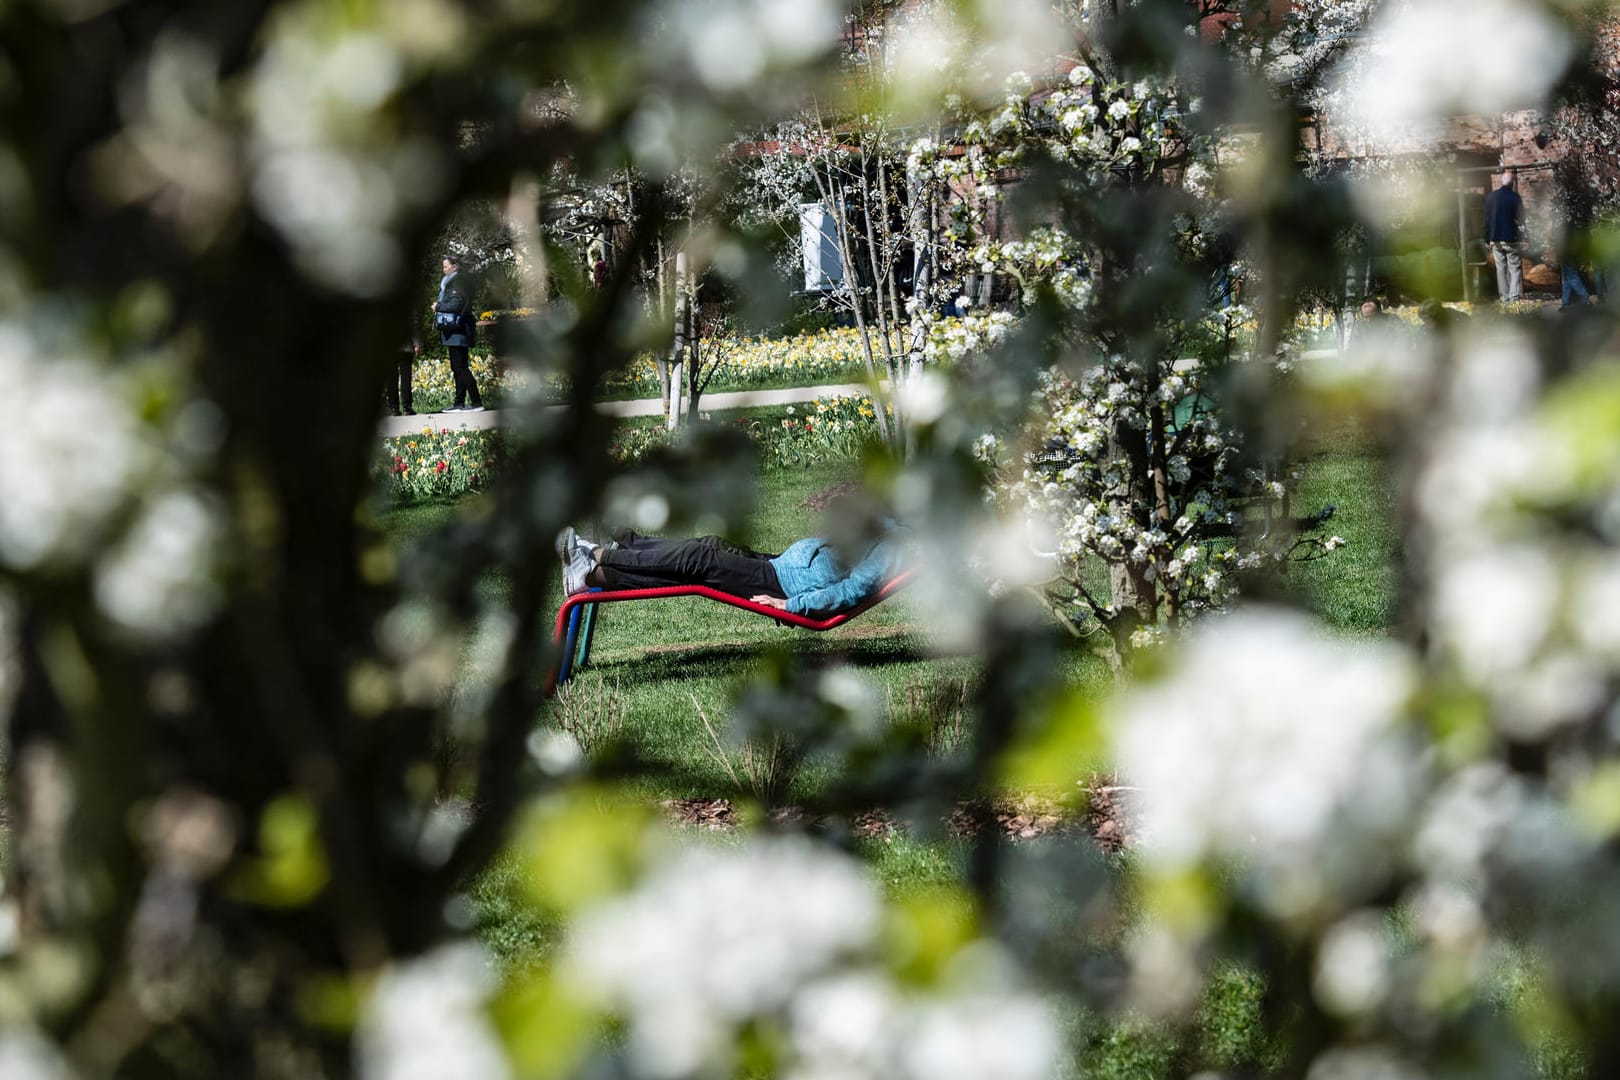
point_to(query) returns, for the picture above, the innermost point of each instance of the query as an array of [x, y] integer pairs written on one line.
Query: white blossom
[[1363, 1063], [159, 579], [1425, 60], [73, 454], [426, 1020], [1268, 740], [27, 1055], [712, 937], [984, 1036], [1353, 965]]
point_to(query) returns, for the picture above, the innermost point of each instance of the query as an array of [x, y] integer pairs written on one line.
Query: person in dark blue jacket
[[453, 317], [1503, 210], [810, 578]]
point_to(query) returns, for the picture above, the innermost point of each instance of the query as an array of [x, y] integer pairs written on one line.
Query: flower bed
[[433, 389], [806, 360], [831, 429], [438, 464], [826, 356], [835, 429]]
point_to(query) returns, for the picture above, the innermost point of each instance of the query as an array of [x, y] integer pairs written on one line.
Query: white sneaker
[[574, 573], [569, 542]]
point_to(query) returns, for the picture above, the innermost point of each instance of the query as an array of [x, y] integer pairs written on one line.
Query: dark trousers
[[399, 385], [461, 371], [647, 562]]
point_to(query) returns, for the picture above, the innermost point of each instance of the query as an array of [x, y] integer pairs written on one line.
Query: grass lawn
[[675, 661], [660, 665], [665, 665], [1354, 589]]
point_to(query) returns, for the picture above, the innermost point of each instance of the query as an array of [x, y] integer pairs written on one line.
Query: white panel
[[823, 270]]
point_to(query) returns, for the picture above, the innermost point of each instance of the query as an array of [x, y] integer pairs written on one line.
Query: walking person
[[453, 319], [1503, 213]]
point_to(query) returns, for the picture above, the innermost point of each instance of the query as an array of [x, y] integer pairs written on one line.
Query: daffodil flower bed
[[829, 429], [433, 389], [832, 429], [437, 464], [826, 356], [755, 363]]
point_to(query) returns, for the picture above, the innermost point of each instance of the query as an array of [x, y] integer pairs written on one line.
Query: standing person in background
[[399, 380], [454, 320], [1503, 211], [1572, 250], [1574, 292], [1373, 321]]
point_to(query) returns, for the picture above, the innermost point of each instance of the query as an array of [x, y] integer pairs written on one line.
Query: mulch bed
[[1106, 818], [820, 500]]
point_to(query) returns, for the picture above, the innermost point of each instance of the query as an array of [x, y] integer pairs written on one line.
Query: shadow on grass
[[719, 660]]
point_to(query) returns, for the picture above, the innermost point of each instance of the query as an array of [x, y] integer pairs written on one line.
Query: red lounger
[[577, 642]]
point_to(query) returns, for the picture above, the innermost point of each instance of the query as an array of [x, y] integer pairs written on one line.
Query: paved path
[[394, 426]]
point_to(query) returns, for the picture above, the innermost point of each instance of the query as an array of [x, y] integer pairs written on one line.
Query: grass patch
[[657, 669], [1355, 588]]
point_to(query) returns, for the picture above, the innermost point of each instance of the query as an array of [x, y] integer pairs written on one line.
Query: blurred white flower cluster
[[158, 579], [731, 44], [787, 929], [1425, 60], [76, 451], [970, 48], [329, 169], [426, 1020], [1277, 748], [1523, 608], [27, 1055], [81, 460]]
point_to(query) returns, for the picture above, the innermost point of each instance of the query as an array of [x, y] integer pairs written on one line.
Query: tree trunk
[[888, 314], [661, 299], [892, 259], [696, 361], [1133, 595], [677, 357], [1159, 462], [846, 256]]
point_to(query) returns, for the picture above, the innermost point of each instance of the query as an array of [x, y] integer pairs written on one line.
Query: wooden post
[[1462, 237]]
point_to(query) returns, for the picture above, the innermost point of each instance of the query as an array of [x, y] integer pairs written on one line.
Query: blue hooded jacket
[[817, 582]]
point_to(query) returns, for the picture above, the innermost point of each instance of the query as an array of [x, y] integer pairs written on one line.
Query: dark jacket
[[1502, 209], [454, 299]]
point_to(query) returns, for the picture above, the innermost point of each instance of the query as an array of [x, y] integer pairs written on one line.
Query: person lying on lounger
[[809, 578]]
